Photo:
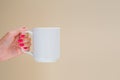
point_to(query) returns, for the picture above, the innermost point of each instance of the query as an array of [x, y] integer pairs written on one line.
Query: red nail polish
[[25, 47], [20, 40], [21, 44], [22, 36]]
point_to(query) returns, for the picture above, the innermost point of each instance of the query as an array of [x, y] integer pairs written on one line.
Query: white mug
[[45, 44]]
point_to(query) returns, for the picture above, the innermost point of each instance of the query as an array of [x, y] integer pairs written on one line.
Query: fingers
[[24, 42], [27, 46], [11, 35]]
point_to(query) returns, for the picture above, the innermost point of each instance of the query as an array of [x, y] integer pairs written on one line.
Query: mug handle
[[28, 52]]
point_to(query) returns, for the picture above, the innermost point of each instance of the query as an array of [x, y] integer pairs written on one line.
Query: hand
[[12, 42]]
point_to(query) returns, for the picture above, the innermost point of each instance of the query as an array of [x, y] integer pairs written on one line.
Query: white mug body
[[46, 44]]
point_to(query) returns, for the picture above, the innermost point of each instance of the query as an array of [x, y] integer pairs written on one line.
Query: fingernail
[[21, 44], [22, 36], [20, 40], [25, 47]]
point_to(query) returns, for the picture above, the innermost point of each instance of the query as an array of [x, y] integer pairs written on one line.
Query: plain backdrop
[[90, 38]]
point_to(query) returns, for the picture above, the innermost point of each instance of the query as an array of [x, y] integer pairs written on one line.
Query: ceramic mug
[[45, 44]]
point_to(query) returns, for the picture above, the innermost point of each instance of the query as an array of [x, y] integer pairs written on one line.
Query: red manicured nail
[[21, 44], [20, 40], [25, 47], [22, 36]]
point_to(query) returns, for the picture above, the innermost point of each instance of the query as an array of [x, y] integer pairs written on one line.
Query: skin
[[10, 44]]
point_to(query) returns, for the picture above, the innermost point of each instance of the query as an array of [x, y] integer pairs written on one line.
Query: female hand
[[12, 42]]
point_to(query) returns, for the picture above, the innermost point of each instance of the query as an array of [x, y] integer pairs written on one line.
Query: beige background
[[90, 38]]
